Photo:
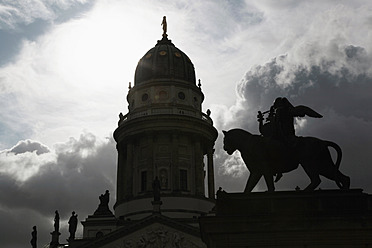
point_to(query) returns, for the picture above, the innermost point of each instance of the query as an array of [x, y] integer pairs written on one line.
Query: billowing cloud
[[333, 82], [25, 159], [29, 146], [338, 86], [323, 62], [13, 13], [69, 177]]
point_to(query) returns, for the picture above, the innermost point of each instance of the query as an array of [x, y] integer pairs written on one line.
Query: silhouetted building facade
[[164, 135], [165, 147]]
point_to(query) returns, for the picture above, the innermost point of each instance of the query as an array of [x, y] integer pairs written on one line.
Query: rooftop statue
[[34, 237], [103, 207], [56, 221], [279, 123], [72, 222], [164, 24], [104, 198], [278, 150]]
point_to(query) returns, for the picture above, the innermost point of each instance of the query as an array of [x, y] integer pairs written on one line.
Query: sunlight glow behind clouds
[[57, 80], [74, 74], [25, 165]]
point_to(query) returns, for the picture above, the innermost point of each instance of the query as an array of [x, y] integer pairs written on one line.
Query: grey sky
[[65, 68]]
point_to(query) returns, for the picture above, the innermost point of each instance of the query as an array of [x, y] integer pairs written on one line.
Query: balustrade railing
[[161, 111]]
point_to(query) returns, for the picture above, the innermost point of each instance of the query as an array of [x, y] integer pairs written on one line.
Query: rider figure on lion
[[279, 124]]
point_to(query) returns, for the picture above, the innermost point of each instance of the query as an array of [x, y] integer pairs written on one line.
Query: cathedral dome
[[164, 61]]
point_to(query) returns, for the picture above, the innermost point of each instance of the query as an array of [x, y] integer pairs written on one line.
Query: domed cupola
[[165, 135], [164, 61], [165, 83]]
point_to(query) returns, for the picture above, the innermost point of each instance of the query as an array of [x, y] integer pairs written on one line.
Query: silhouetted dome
[[164, 61]]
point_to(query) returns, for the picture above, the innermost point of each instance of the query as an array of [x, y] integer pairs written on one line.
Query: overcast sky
[[64, 73]]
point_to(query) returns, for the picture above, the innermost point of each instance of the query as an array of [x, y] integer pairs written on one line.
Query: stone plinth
[[55, 239], [156, 206], [96, 226], [323, 218]]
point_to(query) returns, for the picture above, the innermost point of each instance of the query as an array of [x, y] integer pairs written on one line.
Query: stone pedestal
[[96, 226], [55, 239], [156, 206], [323, 218]]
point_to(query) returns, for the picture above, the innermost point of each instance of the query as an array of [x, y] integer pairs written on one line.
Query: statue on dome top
[[164, 24]]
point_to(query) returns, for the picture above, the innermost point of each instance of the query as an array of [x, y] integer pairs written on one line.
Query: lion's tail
[[338, 161], [338, 150]]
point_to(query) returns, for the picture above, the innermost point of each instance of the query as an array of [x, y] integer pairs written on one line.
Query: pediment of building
[[153, 231], [157, 235]]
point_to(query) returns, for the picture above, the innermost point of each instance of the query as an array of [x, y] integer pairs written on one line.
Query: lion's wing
[[301, 111]]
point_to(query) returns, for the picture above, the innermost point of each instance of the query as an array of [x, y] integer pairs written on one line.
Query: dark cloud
[[29, 146], [82, 170], [346, 91], [340, 90], [16, 227]]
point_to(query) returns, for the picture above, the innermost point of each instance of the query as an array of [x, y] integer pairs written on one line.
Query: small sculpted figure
[[104, 198], [73, 221], [103, 207], [163, 179], [34, 237], [164, 24], [56, 221], [268, 157], [220, 192], [121, 117], [280, 122], [156, 188], [283, 118]]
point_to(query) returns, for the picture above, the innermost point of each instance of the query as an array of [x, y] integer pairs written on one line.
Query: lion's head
[[227, 144]]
